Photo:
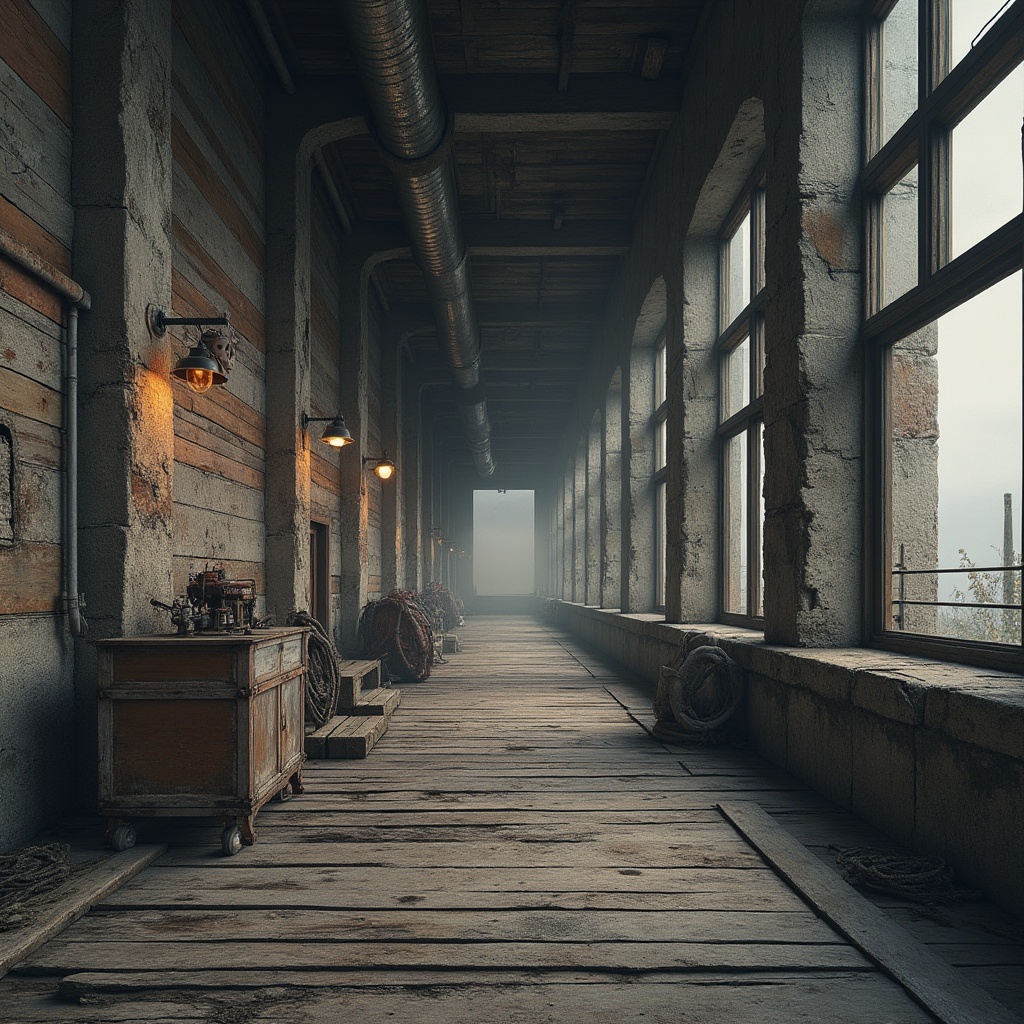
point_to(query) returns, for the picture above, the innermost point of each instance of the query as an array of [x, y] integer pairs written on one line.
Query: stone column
[[692, 594], [813, 379], [288, 361], [637, 470], [122, 172], [392, 437], [593, 548], [568, 529], [579, 547], [611, 496]]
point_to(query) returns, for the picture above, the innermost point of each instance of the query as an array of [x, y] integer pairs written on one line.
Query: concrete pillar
[[637, 470], [611, 496], [542, 541], [392, 495], [568, 530], [692, 591], [813, 380], [354, 504], [579, 547], [288, 333], [593, 547], [122, 168], [413, 533]]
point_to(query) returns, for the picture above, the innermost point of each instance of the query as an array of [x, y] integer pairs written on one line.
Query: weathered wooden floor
[[516, 848]]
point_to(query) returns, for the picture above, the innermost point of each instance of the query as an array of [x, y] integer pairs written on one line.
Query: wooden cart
[[205, 726]]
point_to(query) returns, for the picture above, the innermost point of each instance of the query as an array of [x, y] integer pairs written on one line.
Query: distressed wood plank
[[950, 996]]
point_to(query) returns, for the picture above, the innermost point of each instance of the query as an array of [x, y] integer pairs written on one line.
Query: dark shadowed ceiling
[[560, 107]]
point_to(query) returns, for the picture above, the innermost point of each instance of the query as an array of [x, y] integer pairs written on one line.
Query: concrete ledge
[[931, 753]]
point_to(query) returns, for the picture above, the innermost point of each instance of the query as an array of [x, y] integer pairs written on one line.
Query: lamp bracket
[[307, 419], [158, 321]]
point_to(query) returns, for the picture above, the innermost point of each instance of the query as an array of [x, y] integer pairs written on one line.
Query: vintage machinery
[[213, 604]]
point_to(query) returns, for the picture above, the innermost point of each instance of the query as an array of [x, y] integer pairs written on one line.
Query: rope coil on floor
[[921, 879], [27, 874], [323, 682], [396, 630], [442, 606], [702, 689]]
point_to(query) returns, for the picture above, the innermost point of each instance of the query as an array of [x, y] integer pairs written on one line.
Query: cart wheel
[[123, 838], [231, 840], [283, 794]]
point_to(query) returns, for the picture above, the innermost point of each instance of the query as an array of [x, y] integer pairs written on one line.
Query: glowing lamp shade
[[336, 434], [385, 469], [199, 370]]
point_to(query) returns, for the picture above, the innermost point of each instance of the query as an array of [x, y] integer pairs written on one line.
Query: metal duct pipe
[[391, 44]]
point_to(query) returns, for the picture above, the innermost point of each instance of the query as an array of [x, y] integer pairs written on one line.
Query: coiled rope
[[323, 682], [702, 687], [26, 875], [396, 630], [921, 879], [442, 606]]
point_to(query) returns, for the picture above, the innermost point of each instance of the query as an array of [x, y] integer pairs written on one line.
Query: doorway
[[503, 543]]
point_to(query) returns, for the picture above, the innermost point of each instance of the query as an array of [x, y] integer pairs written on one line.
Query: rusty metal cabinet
[[204, 726]]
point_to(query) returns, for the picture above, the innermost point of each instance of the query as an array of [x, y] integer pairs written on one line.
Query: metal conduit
[[391, 44]]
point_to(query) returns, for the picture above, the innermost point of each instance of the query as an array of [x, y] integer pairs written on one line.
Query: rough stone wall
[[35, 208], [217, 130], [374, 446]]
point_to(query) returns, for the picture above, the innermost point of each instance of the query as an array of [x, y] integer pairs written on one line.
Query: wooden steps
[[362, 716], [346, 736]]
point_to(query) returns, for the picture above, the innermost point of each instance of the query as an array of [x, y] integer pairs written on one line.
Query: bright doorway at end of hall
[[503, 543]]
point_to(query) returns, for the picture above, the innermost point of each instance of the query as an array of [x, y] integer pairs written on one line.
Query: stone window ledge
[[981, 707]]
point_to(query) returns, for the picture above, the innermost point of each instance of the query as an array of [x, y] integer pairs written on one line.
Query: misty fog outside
[[979, 343], [503, 543]]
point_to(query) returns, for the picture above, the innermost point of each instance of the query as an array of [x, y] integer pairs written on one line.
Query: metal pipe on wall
[[76, 298], [391, 44]]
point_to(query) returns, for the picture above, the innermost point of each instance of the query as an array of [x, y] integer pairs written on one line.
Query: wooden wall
[[218, 264], [374, 445], [35, 208]]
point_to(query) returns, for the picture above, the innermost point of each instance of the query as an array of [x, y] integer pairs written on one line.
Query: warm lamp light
[[383, 467], [336, 434], [199, 369]]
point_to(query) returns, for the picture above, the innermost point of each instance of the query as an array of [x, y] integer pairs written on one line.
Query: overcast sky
[[503, 542], [980, 371]]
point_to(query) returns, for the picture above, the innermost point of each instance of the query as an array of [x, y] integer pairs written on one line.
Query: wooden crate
[[200, 726]]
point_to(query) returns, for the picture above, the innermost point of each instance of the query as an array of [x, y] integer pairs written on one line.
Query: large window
[[741, 299], [659, 424], [944, 185]]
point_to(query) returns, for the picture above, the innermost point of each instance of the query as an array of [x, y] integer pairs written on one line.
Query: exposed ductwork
[[391, 44]]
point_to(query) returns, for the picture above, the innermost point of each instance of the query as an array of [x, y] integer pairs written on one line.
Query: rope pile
[[918, 878], [441, 605], [322, 680], [27, 874], [396, 630], [702, 688]]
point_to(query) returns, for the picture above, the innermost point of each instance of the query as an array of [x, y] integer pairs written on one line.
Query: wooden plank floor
[[516, 848]]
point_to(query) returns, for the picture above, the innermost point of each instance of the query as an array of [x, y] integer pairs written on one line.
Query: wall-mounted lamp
[[203, 368], [336, 434], [383, 467]]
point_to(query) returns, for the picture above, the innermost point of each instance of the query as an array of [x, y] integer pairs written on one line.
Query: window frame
[[747, 323], [946, 96], [659, 478]]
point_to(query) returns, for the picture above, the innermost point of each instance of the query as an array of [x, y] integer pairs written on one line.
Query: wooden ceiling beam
[[566, 43], [514, 314], [487, 236]]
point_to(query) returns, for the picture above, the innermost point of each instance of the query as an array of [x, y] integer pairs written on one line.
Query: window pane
[[899, 67], [660, 444], [735, 532], [659, 537], [967, 19], [759, 519], [955, 451], [736, 379], [986, 165], [899, 238], [660, 376], [736, 292]]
